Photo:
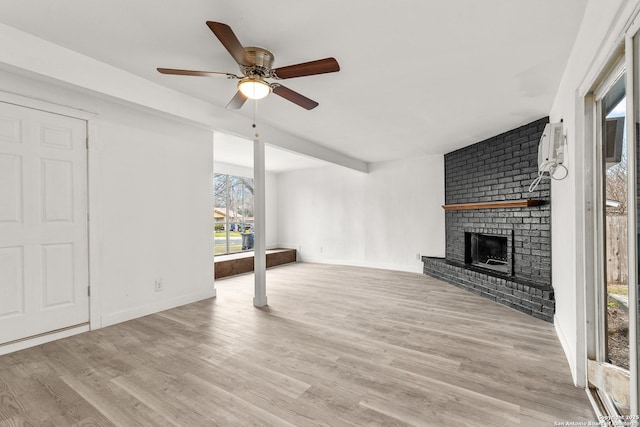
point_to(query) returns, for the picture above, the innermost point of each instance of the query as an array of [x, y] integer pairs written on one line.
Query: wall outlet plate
[[158, 285]]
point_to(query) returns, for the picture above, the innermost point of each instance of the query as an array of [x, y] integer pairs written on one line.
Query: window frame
[[237, 221]]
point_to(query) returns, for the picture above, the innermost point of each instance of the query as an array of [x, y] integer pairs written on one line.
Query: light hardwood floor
[[338, 346]]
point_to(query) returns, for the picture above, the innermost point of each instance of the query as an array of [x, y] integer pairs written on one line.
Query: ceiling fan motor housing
[[262, 60]]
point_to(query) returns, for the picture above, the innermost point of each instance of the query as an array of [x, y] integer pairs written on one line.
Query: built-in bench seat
[[242, 262]]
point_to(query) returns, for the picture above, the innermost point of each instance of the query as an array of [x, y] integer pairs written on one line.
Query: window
[[233, 214]]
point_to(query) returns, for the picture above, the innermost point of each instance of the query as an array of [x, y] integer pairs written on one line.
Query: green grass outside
[[618, 289], [222, 249], [223, 234]]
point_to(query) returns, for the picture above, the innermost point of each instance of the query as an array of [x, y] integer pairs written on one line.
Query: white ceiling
[[417, 76]]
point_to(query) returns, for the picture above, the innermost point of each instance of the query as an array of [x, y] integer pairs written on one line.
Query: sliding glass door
[[608, 367], [612, 295]]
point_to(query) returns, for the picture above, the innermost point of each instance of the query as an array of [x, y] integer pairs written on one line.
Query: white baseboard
[[42, 339], [382, 266], [145, 310], [568, 351]]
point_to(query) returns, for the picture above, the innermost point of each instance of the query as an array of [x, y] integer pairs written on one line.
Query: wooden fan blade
[[294, 97], [237, 101], [196, 73], [320, 66], [225, 34]]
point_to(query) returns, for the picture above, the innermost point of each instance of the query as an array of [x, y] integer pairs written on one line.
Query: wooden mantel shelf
[[522, 203]]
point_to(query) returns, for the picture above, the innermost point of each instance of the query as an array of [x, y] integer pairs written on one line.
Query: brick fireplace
[[498, 234]]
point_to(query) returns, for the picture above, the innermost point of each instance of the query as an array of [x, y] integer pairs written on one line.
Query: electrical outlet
[[159, 286], [320, 249], [418, 256]]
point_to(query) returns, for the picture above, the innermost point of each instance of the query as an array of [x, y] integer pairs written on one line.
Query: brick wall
[[502, 168]]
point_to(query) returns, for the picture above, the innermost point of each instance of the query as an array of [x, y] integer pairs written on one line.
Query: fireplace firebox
[[488, 251]]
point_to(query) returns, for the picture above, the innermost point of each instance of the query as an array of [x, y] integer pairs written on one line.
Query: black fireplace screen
[[487, 251]]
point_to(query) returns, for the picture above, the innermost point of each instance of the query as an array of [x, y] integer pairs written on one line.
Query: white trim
[[632, 26], [632, 218], [614, 74], [42, 339], [155, 307], [590, 253], [93, 177], [566, 346], [583, 235], [598, 317], [368, 264], [46, 106], [611, 45]]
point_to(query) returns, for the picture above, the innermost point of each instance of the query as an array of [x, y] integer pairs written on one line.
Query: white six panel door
[[43, 223]]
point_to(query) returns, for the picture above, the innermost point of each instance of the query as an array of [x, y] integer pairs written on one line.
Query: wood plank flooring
[[338, 346]]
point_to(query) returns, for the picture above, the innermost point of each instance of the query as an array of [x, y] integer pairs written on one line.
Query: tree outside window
[[233, 213]]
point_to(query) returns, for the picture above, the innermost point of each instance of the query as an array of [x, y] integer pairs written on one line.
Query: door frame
[[604, 379], [632, 58], [92, 232], [621, 59]]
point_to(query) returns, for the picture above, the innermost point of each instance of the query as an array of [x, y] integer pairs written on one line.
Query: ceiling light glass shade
[[253, 88]]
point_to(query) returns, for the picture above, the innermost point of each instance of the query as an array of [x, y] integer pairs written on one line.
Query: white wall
[[596, 42], [151, 204], [382, 219], [156, 221], [271, 190]]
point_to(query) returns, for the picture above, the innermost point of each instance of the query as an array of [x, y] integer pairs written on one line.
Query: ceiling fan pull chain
[[255, 113]]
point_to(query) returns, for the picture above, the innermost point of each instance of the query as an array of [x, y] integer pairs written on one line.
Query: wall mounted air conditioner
[[551, 147]]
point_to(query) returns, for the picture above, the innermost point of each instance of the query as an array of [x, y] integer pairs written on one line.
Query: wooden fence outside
[[617, 253]]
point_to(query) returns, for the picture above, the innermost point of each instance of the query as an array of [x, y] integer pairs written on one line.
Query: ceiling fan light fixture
[[254, 88]]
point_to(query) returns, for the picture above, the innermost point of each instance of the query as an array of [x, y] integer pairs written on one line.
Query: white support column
[[259, 225]]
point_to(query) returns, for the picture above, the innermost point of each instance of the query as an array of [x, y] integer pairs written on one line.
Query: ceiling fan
[[255, 65]]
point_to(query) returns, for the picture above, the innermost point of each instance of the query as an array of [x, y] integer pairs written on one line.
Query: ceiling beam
[[26, 52]]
